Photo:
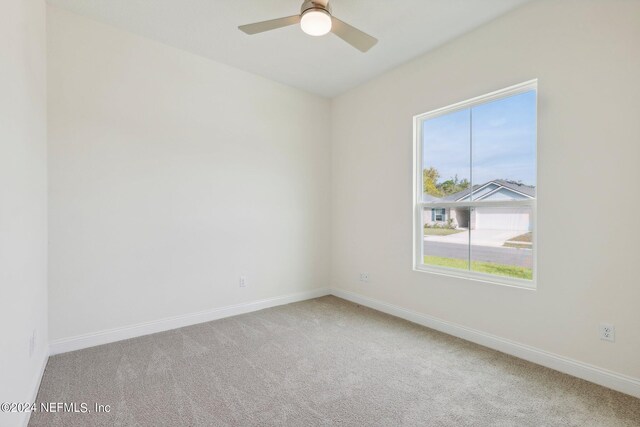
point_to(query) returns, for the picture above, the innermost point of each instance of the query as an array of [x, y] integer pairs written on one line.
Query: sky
[[501, 143]]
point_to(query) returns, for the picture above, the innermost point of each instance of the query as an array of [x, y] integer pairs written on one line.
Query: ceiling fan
[[315, 19]]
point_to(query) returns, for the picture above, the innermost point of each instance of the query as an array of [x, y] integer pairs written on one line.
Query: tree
[[448, 187], [429, 182], [453, 185], [431, 186]]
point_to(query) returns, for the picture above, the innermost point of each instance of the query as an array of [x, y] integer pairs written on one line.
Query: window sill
[[529, 285]]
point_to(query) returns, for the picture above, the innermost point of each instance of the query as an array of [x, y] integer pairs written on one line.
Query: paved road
[[506, 256]]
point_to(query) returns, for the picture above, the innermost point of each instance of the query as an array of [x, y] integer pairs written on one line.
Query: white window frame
[[419, 205]]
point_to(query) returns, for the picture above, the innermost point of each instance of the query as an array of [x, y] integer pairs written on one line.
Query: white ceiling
[[323, 65]]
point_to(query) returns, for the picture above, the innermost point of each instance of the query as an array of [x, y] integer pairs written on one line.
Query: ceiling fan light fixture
[[315, 19], [315, 22]]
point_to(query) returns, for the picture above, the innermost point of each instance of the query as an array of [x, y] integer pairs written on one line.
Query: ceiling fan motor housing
[[315, 4]]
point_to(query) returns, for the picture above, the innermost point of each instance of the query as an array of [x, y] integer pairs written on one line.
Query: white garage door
[[508, 219]]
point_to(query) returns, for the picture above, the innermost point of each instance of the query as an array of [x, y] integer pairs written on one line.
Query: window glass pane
[[501, 241], [446, 242], [504, 148], [446, 161]]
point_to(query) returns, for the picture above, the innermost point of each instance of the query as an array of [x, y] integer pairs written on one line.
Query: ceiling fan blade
[[260, 27], [356, 38]]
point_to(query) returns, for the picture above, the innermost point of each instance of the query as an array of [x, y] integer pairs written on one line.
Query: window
[[475, 198], [437, 214]]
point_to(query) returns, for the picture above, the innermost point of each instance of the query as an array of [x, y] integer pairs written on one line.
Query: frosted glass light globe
[[315, 22]]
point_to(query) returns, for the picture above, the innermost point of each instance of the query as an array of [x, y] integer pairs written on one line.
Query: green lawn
[[526, 237], [482, 267], [523, 241], [440, 231]]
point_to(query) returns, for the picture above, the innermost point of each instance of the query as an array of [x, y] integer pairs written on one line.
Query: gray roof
[[527, 190], [426, 197]]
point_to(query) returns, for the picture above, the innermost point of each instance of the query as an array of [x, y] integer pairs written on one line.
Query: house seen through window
[[475, 207]]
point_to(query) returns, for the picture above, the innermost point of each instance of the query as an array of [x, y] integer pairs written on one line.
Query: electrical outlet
[[364, 277], [32, 343], [607, 332], [243, 281]]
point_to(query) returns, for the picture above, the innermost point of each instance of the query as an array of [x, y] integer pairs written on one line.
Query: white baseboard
[[117, 334], [594, 374], [36, 386]]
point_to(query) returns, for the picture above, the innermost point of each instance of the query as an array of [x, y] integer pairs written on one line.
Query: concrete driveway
[[495, 238]]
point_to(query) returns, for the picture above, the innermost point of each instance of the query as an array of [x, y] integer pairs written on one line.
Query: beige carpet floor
[[321, 362]]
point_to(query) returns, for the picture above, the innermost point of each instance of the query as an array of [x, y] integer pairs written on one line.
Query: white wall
[[170, 176], [585, 55], [23, 199]]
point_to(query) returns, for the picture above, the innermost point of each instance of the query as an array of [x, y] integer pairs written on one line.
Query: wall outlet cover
[[607, 332]]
